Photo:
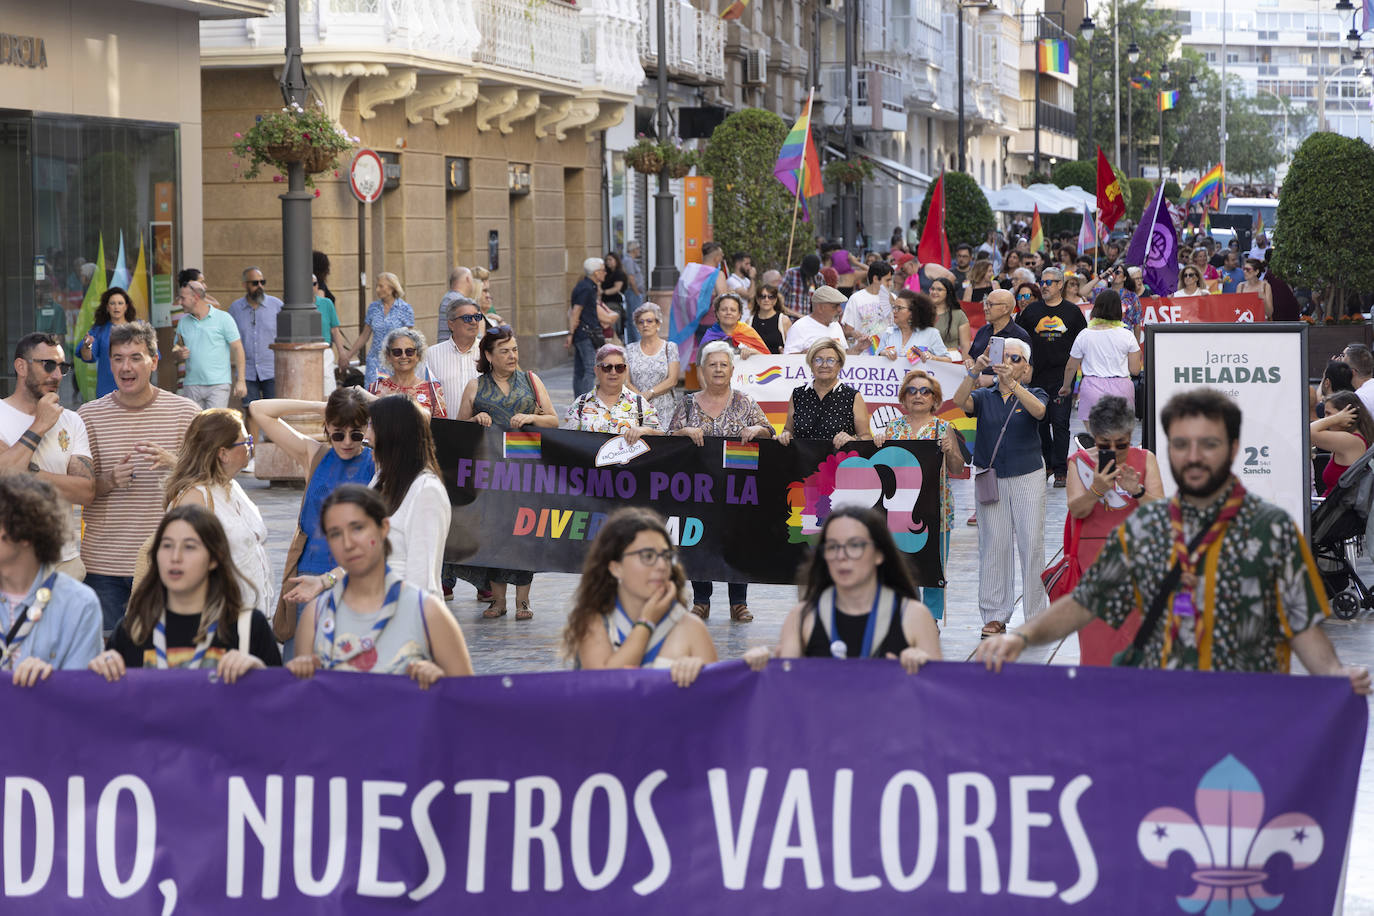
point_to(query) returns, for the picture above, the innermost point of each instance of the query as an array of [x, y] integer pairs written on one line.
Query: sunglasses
[[467, 319], [501, 329], [767, 296], [1015, 358], [1024, 297], [51, 365], [612, 367], [398, 352], [257, 282], [912, 391], [338, 435]]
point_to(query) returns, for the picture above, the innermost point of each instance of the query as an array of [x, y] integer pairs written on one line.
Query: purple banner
[[813, 787]]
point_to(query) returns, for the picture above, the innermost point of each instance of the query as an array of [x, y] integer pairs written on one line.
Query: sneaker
[[1060, 481], [972, 520], [448, 593]]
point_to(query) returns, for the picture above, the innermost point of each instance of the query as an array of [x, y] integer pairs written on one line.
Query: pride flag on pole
[[1087, 234], [1208, 185], [798, 167], [1037, 236], [734, 10], [1168, 98], [1054, 55]]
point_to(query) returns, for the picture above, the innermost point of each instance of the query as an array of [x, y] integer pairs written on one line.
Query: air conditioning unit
[[755, 66]]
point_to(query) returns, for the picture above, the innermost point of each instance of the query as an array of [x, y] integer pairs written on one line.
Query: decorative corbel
[[610, 115], [382, 90], [582, 112], [526, 105], [494, 102], [465, 96], [430, 92], [330, 83], [549, 116]]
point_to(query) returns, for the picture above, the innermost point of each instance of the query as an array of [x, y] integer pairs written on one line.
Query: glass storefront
[[67, 186]]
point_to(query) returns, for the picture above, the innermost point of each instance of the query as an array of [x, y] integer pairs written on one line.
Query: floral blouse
[[935, 429], [742, 411], [591, 414], [429, 393], [382, 324]]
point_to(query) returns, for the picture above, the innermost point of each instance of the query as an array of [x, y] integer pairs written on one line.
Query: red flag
[[1111, 206], [934, 245]]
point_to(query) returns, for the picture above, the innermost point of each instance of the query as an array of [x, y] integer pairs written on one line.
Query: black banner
[[739, 512]]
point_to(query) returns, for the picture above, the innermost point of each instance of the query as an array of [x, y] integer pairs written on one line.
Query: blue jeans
[[738, 591], [632, 302], [934, 598], [584, 356], [259, 390], [113, 592]]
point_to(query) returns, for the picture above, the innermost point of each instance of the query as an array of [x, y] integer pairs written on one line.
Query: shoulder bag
[[985, 481], [1060, 577]]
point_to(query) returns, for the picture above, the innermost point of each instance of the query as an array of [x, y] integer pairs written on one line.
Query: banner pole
[[796, 205]]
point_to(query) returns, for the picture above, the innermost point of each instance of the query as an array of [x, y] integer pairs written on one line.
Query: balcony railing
[[696, 40], [878, 103], [538, 39], [1052, 118]]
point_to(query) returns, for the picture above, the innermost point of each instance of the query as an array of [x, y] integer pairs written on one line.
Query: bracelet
[[330, 579], [1139, 494], [1024, 638], [645, 624], [1093, 489], [31, 439]]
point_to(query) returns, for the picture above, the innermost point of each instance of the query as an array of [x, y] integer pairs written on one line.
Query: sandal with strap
[[702, 610], [496, 610], [994, 628], [522, 611], [740, 613]]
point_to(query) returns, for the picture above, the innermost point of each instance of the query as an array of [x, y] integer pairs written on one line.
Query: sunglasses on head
[[912, 391], [612, 367], [403, 351], [501, 329], [338, 435]]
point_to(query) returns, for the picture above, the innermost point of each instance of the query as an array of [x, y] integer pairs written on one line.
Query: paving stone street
[[505, 645]]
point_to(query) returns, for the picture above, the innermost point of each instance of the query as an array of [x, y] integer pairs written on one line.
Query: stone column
[[300, 376]]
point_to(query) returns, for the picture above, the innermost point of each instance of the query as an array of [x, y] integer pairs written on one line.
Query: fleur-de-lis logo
[[1227, 843]]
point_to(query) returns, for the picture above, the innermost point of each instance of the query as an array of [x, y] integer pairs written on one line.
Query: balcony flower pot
[[295, 134]]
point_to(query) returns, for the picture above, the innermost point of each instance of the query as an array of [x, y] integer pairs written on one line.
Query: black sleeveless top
[[767, 329], [851, 627]]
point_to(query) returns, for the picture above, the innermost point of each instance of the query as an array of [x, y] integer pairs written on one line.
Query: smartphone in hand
[[997, 350]]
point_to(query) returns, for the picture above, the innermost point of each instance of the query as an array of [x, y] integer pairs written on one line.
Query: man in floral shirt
[[1249, 593]]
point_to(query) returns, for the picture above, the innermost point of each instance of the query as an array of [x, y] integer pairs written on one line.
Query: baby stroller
[[1340, 524]]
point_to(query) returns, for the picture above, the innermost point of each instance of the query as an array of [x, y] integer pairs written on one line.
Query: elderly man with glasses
[[1052, 325], [454, 360]]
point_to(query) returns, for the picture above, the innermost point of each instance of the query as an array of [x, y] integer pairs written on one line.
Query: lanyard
[[24, 622], [869, 628], [160, 643], [1188, 560], [387, 612], [624, 626]]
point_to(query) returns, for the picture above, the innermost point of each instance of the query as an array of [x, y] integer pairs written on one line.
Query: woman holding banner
[[826, 408], [609, 407], [628, 611], [858, 600], [921, 396], [719, 410], [371, 620], [913, 334], [655, 365]]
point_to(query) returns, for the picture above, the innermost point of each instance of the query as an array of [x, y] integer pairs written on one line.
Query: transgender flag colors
[[522, 445], [1054, 55], [741, 456], [798, 167]]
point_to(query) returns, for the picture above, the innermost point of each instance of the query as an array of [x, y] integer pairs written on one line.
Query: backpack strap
[[245, 631], [888, 608]]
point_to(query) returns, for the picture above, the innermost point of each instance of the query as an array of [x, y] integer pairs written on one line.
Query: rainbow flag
[[1168, 98], [1143, 81], [1206, 221], [742, 336], [798, 167], [1054, 55], [522, 445], [741, 456], [1208, 185], [768, 375], [1037, 236], [734, 10], [1259, 221]]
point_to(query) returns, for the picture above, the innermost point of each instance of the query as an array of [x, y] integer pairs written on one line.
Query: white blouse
[[247, 534], [419, 530]]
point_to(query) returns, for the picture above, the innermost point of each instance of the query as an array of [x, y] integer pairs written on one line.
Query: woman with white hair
[[655, 365], [718, 410], [404, 352], [385, 314], [585, 335], [1009, 484]]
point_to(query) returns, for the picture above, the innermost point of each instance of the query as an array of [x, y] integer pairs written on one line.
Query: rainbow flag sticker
[[741, 456], [767, 375], [521, 445]]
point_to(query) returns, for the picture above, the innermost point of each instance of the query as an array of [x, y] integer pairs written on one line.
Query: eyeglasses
[[257, 282], [398, 352], [612, 367], [899, 307], [650, 557], [767, 296], [824, 361], [912, 391], [645, 322], [466, 319], [852, 549], [248, 442], [51, 365], [1119, 446], [338, 435]]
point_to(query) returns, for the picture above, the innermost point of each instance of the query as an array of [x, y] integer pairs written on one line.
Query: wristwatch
[[1140, 493]]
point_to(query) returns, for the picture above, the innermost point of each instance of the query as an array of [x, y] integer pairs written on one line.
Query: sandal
[[522, 611], [740, 613], [484, 594], [994, 628], [702, 610], [496, 610]]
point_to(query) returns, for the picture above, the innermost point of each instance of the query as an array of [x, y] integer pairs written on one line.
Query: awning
[[1054, 200], [902, 173]]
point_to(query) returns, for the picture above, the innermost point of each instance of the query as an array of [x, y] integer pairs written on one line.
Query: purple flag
[[1155, 247]]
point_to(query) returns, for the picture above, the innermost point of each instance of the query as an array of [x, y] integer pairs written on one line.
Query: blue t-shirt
[[1230, 279], [331, 473], [208, 339], [1019, 452]]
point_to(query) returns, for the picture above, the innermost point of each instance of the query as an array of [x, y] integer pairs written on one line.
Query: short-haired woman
[[404, 352], [188, 612], [654, 361], [215, 450], [767, 318], [730, 327], [629, 607], [1107, 353], [1101, 494], [718, 410], [504, 397], [49, 620], [115, 309], [610, 407], [858, 600], [372, 621], [913, 331], [825, 408], [385, 314], [1346, 432]]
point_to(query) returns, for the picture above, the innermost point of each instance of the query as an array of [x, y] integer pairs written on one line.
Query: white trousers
[[329, 364], [1019, 512]]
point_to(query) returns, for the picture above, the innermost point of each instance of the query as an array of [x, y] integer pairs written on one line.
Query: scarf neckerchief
[[1183, 603], [1105, 323]]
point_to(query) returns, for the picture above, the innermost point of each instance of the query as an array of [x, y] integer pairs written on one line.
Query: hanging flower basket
[[847, 171], [650, 158], [679, 162], [295, 134]]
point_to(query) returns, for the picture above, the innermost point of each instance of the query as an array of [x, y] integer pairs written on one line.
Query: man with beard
[[256, 316], [43, 438], [1244, 613]]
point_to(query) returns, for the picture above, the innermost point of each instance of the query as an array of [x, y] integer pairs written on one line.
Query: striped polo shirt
[[119, 522]]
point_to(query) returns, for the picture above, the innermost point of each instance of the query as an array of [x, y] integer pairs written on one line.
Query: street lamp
[[1086, 28], [299, 321], [1352, 38], [1133, 52], [1164, 73], [1344, 6], [664, 275]]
